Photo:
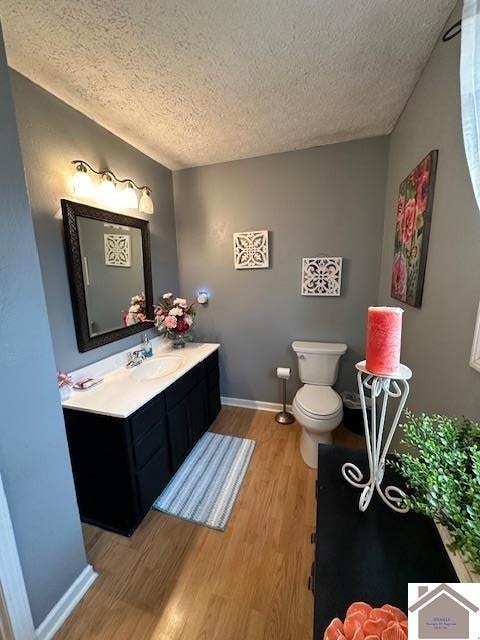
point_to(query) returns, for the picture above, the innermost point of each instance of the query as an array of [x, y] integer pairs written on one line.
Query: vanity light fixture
[[129, 197], [146, 202], [82, 183], [107, 190]]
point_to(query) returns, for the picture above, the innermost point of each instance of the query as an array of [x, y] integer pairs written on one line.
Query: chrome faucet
[[134, 358]]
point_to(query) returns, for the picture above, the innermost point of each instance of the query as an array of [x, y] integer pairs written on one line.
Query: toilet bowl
[[319, 411], [316, 406]]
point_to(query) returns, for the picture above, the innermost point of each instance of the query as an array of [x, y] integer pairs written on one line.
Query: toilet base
[[309, 446]]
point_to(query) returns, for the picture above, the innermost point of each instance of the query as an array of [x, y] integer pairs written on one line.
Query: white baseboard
[[259, 405], [67, 603], [15, 615]]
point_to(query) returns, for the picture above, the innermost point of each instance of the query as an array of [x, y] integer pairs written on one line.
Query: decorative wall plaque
[[321, 276], [117, 250], [250, 250]]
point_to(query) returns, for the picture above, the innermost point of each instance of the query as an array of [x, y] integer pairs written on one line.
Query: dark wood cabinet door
[[101, 462], [198, 410], [153, 478], [214, 404], [179, 433]]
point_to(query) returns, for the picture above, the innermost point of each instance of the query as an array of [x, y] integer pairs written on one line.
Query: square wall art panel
[[117, 250], [250, 250], [414, 213], [321, 276]]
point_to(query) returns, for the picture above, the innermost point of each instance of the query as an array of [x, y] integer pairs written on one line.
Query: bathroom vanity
[[129, 435]]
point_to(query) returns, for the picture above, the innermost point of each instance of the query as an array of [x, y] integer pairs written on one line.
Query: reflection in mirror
[[108, 258], [112, 264]]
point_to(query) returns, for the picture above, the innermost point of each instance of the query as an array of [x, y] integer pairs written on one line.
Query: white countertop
[[123, 391]]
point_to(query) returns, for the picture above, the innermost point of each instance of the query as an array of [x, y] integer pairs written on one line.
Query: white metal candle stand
[[378, 439]]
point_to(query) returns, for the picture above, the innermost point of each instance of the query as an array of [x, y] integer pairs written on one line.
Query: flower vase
[[180, 339]]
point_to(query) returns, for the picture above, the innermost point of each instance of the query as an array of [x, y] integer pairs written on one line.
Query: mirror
[[108, 258]]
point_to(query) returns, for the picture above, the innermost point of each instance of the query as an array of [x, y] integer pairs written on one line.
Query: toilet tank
[[318, 361]]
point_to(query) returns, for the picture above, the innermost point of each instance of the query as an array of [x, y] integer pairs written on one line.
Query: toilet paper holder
[[284, 417]]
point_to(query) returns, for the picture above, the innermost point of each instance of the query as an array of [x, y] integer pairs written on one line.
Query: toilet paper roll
[[283, 372]]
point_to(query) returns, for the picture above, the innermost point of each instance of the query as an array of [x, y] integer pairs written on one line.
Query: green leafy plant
[[443, 477]]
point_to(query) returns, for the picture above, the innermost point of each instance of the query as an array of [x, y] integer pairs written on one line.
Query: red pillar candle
[[384, 337]]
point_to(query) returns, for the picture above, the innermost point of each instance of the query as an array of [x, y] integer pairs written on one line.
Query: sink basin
[[157, 367]]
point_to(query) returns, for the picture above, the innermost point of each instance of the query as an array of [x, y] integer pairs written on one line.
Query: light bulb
[[107, 191], [82, 184], [129, 197], [146, 203]]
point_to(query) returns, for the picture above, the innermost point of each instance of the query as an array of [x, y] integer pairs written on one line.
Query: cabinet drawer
[[147, 416], [211, 362], [144, 448], [178, 390], [153, 478]]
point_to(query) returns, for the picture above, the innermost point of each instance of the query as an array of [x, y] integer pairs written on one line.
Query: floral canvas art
[[414, 213]]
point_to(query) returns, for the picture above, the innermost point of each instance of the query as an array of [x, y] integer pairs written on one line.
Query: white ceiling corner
[[193, 83]]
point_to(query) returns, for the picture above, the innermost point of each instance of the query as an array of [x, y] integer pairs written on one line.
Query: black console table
[[371, 556]]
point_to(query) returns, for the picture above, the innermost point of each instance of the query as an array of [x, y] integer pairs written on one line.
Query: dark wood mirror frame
[[70, 212]]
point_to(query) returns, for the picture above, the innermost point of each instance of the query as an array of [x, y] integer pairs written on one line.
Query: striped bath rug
[[207, 484]]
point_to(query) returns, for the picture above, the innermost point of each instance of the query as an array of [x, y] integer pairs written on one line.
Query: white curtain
[[470, 89]]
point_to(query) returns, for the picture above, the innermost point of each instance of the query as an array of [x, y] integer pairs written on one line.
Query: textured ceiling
[[193, 82]]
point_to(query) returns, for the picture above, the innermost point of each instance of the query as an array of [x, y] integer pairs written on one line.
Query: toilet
[[316, 406]]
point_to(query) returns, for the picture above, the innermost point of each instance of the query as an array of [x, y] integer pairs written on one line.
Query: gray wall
[[34, 460], [327, 200], [438, 336], [51, 135]]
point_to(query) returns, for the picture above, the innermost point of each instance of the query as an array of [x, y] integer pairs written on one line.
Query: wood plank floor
[[177, 581]]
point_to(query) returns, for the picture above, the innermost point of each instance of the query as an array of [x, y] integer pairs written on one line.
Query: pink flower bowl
[[364, 622]]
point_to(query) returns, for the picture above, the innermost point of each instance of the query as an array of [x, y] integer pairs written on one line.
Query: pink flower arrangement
[[64, 380], [65, 384], [137, 312], [174, 316], [399, 277], [364, 622]]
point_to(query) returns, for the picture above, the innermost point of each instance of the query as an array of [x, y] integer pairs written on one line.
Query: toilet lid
[[319, 401]]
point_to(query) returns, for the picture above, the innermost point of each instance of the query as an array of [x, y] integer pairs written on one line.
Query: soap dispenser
[[147, 347]]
